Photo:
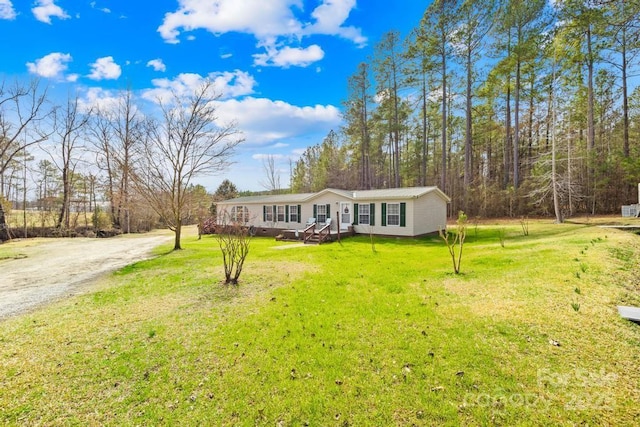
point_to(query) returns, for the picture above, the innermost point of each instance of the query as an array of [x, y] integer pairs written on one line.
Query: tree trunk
[[396, 133], [507, 137], [591, 130], [178, 232], [516, 130], [64, 210], [443, 172], [625, 96], [423, 163], [4, 230], [468, 142]]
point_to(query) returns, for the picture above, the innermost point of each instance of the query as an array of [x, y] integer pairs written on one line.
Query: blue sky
[[281, 65]]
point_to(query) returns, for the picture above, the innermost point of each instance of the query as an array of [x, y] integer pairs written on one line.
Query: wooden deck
[[298, 235]]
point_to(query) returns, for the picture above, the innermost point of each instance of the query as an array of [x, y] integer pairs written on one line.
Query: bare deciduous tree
[[127, 123], [117, 133], [186, 143], [22, 110], [272, 175], [69, 123]]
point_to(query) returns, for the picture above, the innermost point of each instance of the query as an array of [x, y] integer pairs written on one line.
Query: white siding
[[426, 212], [256, 215], [424, 215], [327, 198], [388, 230], [429, 214]]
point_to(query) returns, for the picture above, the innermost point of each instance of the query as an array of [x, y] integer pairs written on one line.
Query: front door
[[345, 215]]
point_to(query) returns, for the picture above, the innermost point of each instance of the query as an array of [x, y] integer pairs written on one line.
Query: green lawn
[[341, 335]]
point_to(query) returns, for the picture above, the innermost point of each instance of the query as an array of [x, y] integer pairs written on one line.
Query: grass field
[[16, 218], [340, 334]]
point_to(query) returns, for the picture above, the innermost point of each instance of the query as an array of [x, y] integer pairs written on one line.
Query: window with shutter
[[393, 214], [364, 217], [321, 214]]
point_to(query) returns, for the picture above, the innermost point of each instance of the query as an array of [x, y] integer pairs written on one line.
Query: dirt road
[[57, 268]]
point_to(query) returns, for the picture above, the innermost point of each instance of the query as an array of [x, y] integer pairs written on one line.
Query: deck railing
[[308, 232], [324, 233]]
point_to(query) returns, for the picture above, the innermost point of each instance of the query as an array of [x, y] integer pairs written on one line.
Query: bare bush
[[455, 242], [234, 240]]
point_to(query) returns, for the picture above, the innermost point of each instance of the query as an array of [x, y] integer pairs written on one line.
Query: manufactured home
[[402, 212]]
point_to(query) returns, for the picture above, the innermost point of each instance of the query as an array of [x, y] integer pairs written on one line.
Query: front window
[[293, 213], [239, 214], [280, 213], [321, 212], [364, 214], [268, 213], [393, 214]]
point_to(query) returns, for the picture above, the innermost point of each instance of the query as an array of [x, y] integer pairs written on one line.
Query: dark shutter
[[384, 215], [315, 211], [299, 213], [355, 214], [264, 213], [403, 214], [372, 214], [328, 211], [286, 213]]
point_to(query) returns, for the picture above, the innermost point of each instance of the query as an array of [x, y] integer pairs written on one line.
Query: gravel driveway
[[57, 268]]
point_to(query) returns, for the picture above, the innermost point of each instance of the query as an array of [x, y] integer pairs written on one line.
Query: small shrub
[[476, 220], [524, 223], [577, 291], [501, 236], [100, 219], [234, 241], [575, 306], [457, 242], [208, 226]]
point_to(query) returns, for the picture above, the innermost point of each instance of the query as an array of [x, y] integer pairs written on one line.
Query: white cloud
[[259, 17], [269, 125], [93, 5], [105, 69], [46, 9], [99, 98], [51, 66], [262, 156], [330, 17], [157, 65], [289, 56], [270, 22], [6, 10], [227, 84], [264, 121]]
